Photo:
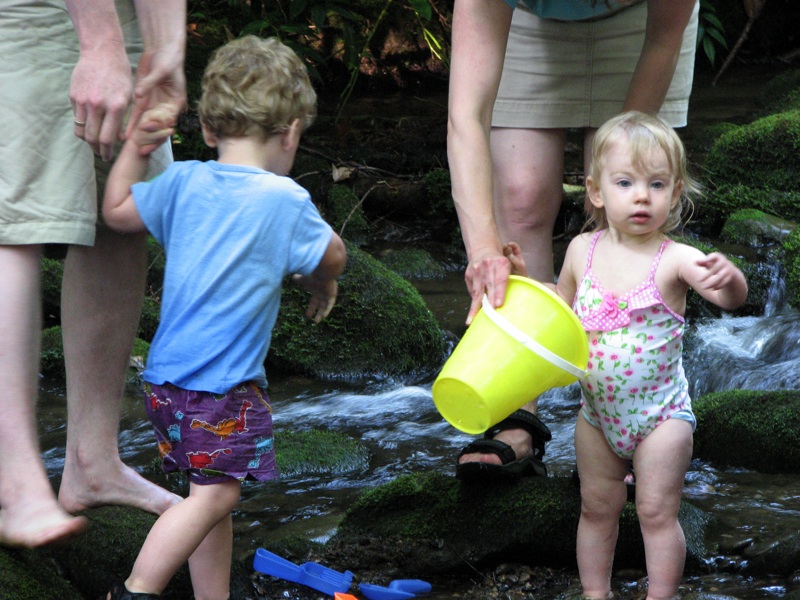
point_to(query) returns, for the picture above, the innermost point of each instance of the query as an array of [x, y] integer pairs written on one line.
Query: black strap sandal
[[120, 592], [511, 467]]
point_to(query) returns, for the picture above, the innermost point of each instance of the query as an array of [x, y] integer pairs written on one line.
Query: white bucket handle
[[529, 342]]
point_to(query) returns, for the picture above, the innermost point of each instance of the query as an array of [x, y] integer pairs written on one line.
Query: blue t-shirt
[[570, 10], [231, 234]]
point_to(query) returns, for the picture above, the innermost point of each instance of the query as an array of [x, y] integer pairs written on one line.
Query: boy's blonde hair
[[644, 133], [255, 86]]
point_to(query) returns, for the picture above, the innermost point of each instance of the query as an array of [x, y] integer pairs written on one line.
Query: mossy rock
[[315, 452], [28, 575], [380, 327], [107, 551], [346, 215], [413, 263], [720, 203], [758, 430], [782, 93], [762, 154], [754, 228], [791, 263], [534, 520], [438, 192]]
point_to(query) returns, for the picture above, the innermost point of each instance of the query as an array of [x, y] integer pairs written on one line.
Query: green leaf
[[422, 8]]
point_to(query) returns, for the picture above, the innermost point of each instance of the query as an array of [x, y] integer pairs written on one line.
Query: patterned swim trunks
[[213, 437]]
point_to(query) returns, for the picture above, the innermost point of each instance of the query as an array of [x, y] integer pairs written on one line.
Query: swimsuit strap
[[592, 245], [656, 260]]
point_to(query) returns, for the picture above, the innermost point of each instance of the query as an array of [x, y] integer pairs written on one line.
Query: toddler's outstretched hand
[[513, 253], [323, 295], [154, 128], [719, 271]]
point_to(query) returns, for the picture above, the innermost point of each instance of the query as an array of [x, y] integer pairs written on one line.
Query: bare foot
[[121, 486], [38, 524], [519, 440]]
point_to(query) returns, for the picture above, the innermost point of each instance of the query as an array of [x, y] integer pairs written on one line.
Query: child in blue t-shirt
[[232, 229]]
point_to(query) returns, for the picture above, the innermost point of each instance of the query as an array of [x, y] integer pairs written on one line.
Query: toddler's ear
[[593, 192], [676, 193]]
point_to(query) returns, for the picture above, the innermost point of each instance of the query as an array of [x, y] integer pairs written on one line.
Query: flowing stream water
[[405, 434]]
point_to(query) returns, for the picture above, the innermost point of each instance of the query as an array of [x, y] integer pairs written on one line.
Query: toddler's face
[[637, 193]]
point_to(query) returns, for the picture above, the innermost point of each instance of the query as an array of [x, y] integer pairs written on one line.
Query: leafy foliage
[[710, 31]]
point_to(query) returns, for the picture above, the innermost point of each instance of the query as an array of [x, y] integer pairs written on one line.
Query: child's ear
[[676, 194], [593, 192], [290, 139], [209, 138]]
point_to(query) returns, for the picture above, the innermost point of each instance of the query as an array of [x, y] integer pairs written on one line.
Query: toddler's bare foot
[[82, 489], [38, 524]]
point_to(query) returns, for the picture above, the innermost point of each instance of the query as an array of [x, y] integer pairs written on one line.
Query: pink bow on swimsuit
[[611, 314]]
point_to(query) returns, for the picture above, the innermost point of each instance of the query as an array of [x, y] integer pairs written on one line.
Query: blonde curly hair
[[255, 86]]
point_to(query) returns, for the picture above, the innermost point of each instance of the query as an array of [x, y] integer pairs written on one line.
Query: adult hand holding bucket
[[509, 356]]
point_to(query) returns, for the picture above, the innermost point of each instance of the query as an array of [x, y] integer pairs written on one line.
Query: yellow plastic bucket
[[509, 356]]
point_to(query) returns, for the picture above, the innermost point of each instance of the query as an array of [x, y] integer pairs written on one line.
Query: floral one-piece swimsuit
[[635, 375]]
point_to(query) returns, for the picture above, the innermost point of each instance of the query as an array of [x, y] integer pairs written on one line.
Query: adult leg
[[528, 167], [102, 296], [660, 463], [191, 530], [603, 494], [30, 515]]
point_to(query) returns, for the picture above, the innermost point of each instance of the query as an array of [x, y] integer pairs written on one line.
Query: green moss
[[753, 227], [319, 452], [762, 154], [25, 576], [757, 430], [782, 93], [346, 214], [379, 326], [438, 192], [413, 263], [51, 357], [791, 253], [727, 199]]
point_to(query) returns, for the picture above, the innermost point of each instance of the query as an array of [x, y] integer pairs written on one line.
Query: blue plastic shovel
[[313, 575], [399, 589]]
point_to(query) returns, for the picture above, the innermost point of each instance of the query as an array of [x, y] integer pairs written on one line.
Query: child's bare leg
[[603, 494], [181, 531], [31, 516], [210, 564], [101, 302], [660, 463]]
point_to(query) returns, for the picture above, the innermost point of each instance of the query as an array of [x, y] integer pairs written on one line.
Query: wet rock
[[757, 430], [752, 227], [459, 527], [380, 327]]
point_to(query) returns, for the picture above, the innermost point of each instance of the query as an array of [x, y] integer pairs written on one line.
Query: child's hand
[[513, 253], [323, 295], [719, 271], [154, 128]]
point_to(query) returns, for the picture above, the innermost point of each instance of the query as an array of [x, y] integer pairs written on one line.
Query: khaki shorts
[[561, 74], [48, 184]]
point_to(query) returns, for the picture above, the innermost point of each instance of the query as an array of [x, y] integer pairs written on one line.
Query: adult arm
[[666, 23], [160, 76], [480, 35], [101, 84]]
